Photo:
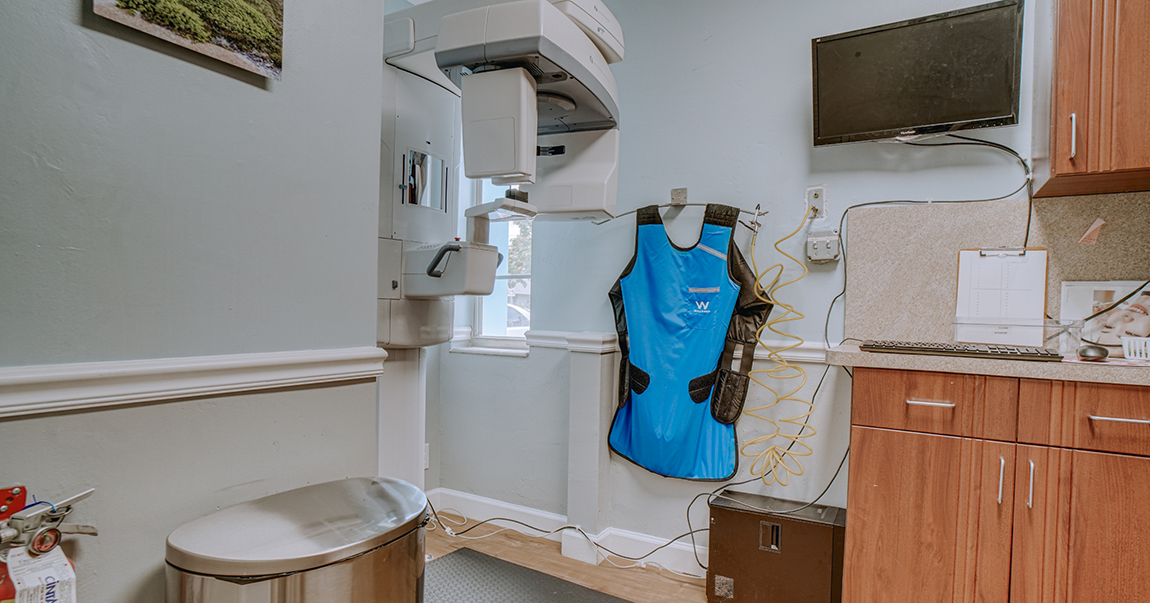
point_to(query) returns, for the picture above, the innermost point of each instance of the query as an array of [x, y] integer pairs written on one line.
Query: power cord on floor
[[600, 550]]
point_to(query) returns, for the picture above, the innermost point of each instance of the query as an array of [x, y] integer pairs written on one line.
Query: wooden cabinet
[[1100, 103], [1081, 534], [1035, 531], [1058, 513], [904, 486], [942, 403], [1109, 550], [930, 498]]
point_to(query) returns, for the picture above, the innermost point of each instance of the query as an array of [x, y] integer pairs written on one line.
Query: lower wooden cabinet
[[1108, 558], [1035, 523], [1081, 527], [947, 519], [929, 518]]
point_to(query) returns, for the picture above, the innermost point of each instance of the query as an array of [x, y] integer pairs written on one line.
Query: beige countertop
[[850, 355]]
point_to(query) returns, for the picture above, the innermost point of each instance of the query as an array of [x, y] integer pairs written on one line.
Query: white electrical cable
[[600, 550]]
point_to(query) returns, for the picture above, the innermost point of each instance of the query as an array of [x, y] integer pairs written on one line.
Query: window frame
[[480, 340]]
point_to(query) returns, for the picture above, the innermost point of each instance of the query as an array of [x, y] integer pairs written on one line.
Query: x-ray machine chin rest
[[524, 90]]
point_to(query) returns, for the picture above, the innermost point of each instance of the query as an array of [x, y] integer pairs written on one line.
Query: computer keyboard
[[967, 350]]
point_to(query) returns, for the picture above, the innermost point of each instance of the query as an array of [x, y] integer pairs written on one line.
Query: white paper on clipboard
[[1001, 296]]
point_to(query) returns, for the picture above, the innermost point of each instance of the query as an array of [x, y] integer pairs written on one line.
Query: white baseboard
[[29, 390], [677, 557], [479, 508]]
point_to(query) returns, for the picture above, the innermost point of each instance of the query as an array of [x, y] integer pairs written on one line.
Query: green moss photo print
[[244, 33]]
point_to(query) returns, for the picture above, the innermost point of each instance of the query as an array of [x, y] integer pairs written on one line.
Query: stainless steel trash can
[[353, 540]]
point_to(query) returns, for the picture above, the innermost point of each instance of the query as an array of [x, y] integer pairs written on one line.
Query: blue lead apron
[[680, 314]]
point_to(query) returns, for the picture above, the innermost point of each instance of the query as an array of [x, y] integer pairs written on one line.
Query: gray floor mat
[[467, 576]]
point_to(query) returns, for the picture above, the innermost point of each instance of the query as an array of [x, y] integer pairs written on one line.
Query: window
[[506, 313]]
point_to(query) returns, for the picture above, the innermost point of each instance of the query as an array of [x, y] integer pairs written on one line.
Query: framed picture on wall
[[1131, 318], [245, 33]]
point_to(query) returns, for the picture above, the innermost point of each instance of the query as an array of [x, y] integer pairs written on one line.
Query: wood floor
[[639, 585]]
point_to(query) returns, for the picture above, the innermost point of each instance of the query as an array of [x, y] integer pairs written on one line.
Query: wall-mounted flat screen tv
[[940, 73]]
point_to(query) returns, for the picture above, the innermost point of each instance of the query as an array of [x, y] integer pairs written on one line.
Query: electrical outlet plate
[[823, 245], [817, 198]]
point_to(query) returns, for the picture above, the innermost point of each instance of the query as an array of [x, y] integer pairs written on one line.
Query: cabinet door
[[903, 501], [1100, 136], [1126, 90], [1109, 529], [989, 532], [925, 523], [1040, 500], [1069, 145]]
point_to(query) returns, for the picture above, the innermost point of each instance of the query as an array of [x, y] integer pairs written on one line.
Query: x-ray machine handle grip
[[434, 272]]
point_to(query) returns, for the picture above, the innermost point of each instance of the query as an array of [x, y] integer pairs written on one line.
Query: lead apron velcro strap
[[700, 387], [730, 386], [730, 394], [751, 312], [639, 379]]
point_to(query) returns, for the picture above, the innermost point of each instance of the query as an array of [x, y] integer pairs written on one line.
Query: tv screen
[[940, 73]]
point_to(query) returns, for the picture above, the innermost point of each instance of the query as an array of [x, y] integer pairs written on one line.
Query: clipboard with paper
[[1001, 296]]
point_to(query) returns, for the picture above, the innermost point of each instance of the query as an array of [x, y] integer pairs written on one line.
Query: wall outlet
[[817, 198], [822, 245]]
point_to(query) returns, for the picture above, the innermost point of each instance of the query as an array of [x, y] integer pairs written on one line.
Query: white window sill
[[484, 351], [515, 347], [464, 343]]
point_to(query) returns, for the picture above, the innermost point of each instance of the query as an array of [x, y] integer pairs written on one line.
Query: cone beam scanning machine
[[520, 92]]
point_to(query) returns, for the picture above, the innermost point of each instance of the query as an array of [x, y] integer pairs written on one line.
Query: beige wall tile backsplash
[[903, 260]]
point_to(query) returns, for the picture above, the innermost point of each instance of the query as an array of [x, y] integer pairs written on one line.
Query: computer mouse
[[1093, 352]]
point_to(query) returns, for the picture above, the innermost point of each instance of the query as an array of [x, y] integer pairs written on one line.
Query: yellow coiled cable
[[774, 463]]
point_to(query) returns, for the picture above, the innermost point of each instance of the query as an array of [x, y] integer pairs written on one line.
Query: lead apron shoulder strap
[[653, 354]]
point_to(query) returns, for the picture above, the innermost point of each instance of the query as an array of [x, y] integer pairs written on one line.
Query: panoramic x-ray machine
[[524, 90], [519, 92]]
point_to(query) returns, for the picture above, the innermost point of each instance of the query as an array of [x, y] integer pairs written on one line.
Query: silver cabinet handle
[[1118, 420], [1001, 470], [1030, 499], [1073, 135], [929, 403]]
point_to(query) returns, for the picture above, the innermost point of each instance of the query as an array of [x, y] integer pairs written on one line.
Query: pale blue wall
[[506, 441], [156, 203]]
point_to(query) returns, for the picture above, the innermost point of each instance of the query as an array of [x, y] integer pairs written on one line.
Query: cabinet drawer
[[942, 403], [1112, 418]]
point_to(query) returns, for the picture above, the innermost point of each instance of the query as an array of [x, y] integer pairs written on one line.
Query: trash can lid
[[299, 529]]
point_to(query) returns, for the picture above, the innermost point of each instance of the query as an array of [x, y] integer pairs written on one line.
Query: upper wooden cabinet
[[1100, 105]]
